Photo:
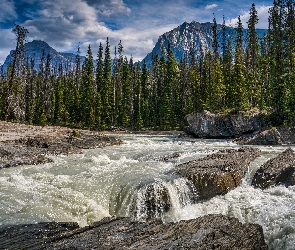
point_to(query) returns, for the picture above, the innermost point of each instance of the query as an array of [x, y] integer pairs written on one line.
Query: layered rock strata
[[22, 144], [218, 173], [207, 232], [277, 171]]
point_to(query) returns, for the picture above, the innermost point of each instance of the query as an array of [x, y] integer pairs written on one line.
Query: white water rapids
[[114, 181]]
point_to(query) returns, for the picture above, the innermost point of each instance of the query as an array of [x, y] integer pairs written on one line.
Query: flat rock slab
[[26, 144], [207, 232], [218, 173], [277, 171]]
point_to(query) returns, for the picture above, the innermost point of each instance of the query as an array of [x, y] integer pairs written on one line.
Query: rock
[[274, 136], [218, 173], [267, 137], [207, 232], [209, 125], [32, 149], [277, 171], [172, 156], [141, 200]]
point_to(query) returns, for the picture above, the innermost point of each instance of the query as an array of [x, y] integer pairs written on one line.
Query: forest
[[101, 93]]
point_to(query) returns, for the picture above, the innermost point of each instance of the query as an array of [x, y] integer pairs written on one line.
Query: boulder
[[207, 232], [277, 171], [273, 136], [218, 173], [209, 125]]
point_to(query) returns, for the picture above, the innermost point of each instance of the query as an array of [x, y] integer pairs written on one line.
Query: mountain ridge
[[197, 33], [179, 38]]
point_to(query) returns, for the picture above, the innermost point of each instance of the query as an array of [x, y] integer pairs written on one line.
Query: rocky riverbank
[[245, 128], [26, 144]]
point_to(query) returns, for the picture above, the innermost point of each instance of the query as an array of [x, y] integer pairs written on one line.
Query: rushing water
[[125, 180]]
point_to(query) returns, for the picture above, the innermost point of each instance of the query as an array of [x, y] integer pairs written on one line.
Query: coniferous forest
[[101, 93]]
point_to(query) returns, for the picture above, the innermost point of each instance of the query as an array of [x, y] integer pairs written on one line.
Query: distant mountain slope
[[181, 37], [34, 50]]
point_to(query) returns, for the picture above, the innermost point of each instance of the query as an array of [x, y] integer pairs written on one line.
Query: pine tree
[[253, 86], [171, 90], [16, 87], [214, 38], [99, 80], [239, 98], [277, 61], [87, 91], [106, 89], [228, 74]]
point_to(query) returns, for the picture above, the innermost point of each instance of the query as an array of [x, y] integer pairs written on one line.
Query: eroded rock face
[[277, 171], [31, 150], [218, 173], [209, 125], [274, 136], [207, 232]]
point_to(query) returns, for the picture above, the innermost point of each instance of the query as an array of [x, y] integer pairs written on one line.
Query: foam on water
[[132, 180]]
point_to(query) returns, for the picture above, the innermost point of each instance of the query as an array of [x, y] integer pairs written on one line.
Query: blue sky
[[64, 24]]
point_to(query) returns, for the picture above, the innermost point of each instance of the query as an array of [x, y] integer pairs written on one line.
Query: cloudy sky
[[65, 24]]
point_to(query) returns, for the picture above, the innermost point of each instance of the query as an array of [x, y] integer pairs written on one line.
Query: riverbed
[[113, 181]]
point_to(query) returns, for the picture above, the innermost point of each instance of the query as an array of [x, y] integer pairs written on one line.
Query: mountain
[[181, 37], [34, 50]]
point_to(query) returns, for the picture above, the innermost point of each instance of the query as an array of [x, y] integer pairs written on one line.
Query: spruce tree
[[106, 89], [99, 81], [252, 51], [87, 95], [16, 86]]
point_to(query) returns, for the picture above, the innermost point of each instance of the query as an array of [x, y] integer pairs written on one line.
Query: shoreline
[[22, 144]]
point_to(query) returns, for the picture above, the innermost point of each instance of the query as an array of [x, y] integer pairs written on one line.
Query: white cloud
[[211, 6], [7, 43], [262, 12], [7, 10], [110, 7]]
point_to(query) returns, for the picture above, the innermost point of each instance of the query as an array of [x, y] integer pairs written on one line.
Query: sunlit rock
[[207, 232], [273, 136], [218, 173], [209, 125], [277, 171]]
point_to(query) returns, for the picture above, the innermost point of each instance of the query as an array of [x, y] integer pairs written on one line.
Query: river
[[113, 181]]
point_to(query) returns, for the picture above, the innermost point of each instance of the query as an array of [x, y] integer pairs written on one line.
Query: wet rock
[[141, 201], [209, 125], [207, 232], [155, 201], [277, 171], [273, 136], [218, 173], [172, 156], [267, 137]]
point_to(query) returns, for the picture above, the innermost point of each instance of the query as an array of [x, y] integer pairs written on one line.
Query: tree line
[[256, 75]]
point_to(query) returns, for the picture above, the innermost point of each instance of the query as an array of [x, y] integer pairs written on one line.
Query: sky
[[67, 24]]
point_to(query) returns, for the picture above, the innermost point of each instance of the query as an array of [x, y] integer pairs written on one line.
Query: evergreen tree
[[87, 91], [106, 89], [99, 80], [16, 87], [253, 87], [171, 90], [277, 60], [240, 95], [215, 40]]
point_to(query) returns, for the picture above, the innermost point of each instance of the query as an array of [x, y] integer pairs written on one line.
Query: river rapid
[[114, 181]]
